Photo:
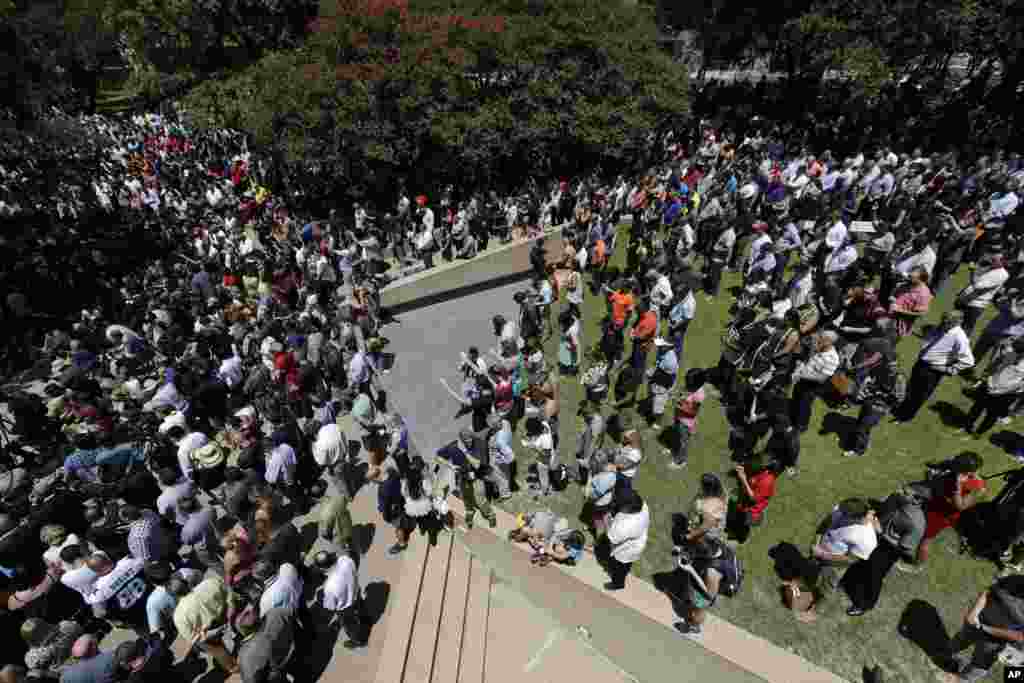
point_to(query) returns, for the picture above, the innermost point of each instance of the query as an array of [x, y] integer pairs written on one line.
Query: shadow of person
[[314, 651], [375, 600], [1007, 440], [951, 415], [362, 536], [922, 625], [675, 586], [841, 425]]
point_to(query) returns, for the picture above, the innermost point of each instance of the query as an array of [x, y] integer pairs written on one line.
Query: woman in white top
[[418, 511], [852, 535], [986, 283], [630, 455], [627, 534], [540, 441]]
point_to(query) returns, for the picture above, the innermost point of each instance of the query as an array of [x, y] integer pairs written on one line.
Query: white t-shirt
[[858, 540], [628, 534], [342, 585]]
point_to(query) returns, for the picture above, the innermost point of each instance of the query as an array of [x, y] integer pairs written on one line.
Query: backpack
[[729, 565]]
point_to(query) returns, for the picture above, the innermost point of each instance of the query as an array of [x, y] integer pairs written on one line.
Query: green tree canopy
[[457, 91]]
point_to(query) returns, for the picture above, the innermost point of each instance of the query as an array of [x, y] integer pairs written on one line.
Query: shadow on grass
[[951, 415], [921, 624], [841, 425], [1007, 440]]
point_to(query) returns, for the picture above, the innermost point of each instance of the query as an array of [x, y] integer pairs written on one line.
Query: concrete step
[[640, 646], [404, 601], [453, 617], [419, 665], [473, 657]]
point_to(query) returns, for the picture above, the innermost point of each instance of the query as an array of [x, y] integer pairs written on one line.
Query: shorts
[[697, 599]]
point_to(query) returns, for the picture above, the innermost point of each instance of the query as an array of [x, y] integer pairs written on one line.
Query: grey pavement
[[426, 343]]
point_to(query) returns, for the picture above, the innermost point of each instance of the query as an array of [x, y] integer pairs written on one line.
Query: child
[[757, 486], [677, 437]]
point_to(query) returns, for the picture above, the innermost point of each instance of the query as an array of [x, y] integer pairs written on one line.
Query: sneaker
[[792, 472], [614, 586], [851, 454], [688, 629], [354, 644], [1019, 456], [396, 548], [677, 465], [1005, 420]]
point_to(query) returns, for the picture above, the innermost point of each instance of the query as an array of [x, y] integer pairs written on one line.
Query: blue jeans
[[678, 338], [867, 420]]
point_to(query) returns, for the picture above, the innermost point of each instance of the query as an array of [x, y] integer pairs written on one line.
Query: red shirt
[[763, 486], [941, 513]]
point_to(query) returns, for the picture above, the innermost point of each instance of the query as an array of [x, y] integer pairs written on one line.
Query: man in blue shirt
[[661, 378]]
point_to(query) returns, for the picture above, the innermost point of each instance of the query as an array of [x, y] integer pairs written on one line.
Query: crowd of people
[[838, 258], [232, 384]]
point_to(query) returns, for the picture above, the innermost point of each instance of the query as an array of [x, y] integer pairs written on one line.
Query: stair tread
[[453, 617], [403, 613], [474, 639], [423, 644]]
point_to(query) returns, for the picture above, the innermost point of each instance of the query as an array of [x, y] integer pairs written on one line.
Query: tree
[[444, 92]]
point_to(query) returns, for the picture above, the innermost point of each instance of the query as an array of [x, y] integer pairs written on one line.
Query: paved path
[[426, 343]]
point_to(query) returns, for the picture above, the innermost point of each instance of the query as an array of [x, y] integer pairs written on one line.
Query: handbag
[[842, 384]]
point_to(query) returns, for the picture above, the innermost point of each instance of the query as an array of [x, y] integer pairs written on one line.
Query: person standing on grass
[[946, 351], [721, 252], [810, 378], [661, 379], [954, 492], [852, 535], [757, 486], [643, 333], [589, 440], [994, 621], [882, 390], [1007, 325], [627, 535], [902, 522], [681, 314], [986, 282], [569, 344], [677, 437], [1003, 388]]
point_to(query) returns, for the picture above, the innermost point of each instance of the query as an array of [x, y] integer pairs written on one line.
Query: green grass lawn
[[898, 453]]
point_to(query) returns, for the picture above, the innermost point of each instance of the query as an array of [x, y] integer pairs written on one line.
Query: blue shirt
[[1005, 325], [99, 669], [668, 362], [160, 609]]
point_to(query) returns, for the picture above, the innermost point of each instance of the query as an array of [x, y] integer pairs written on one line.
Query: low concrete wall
[[494, 268]]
